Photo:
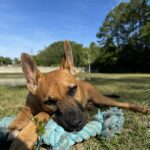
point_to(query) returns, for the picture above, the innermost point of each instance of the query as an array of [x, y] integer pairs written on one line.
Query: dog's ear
[[67, 61], [30, 71]]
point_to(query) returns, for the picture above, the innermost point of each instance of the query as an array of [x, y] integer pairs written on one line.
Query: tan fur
[[53, 84]]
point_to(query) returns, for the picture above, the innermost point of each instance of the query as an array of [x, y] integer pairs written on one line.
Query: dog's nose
[[76, 128], [70, 123], [76, 123], [70, 115], [80, 122]]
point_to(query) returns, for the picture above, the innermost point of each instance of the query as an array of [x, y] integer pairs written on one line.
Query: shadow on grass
[[100, 81], [133, 89]]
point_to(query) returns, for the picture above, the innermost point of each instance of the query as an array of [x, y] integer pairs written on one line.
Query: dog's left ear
[[30, 71], [67, 61]]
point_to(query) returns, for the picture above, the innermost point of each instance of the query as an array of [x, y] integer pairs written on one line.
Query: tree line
[[8, 61], [124, 38], [123, 42], [53, 54], [123, 45], [5, 60]]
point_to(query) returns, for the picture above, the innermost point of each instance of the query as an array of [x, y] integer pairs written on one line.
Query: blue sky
[[31, 25]]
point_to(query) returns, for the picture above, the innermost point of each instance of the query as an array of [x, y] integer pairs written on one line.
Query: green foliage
[[90, 53], [40, 126], [124, 42], [50, 55], [53, 54], [125, 38], [5, 60], [16, 61]]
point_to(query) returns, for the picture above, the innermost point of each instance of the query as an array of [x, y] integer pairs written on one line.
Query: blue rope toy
[[106, 124]]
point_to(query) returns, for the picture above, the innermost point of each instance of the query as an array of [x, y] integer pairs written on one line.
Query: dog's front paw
[[12, 134], [22, 142], [25, 139], [18, 144]]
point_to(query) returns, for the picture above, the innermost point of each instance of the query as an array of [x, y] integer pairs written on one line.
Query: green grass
[[11, 100], [131, 87]]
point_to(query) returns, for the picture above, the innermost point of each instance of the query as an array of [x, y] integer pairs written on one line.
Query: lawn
[[131, 87]]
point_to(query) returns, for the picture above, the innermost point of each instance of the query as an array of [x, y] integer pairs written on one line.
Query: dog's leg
[[99, 99], [28, 136], [22, 119]]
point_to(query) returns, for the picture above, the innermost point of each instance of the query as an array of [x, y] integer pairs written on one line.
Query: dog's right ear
[[30, 71]]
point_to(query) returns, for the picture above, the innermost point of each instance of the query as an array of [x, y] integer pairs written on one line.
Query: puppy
[[56, 93]]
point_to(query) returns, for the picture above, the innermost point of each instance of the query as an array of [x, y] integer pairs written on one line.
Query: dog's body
[[59, 93]]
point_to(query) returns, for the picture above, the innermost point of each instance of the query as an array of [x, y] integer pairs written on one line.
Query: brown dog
[[57, 92]]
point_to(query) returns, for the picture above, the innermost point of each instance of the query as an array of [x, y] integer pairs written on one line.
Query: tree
[[16, 61], [53, 54], [90, 54], [5, 61], [124, 36]]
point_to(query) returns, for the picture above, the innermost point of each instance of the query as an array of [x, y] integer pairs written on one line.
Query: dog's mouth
[[70, 125], [72, 120]]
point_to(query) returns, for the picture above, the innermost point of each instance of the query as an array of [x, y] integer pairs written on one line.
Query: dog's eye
[[49, 101], [72, 90]]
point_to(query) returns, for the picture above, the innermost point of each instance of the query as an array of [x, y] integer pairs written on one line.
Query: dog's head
[[58, 91]]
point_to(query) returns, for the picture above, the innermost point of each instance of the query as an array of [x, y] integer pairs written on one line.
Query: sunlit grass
[[131, 87]]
